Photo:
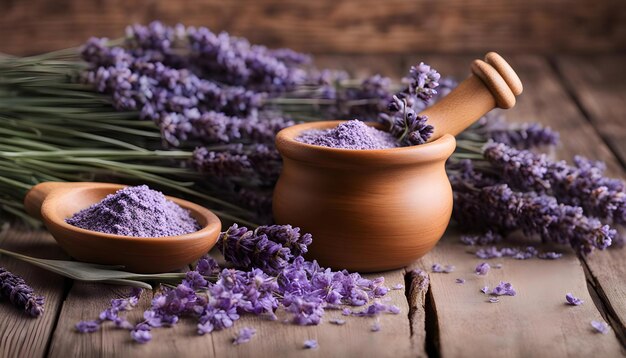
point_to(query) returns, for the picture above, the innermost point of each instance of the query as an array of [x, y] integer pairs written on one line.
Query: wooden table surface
[[584, 98]]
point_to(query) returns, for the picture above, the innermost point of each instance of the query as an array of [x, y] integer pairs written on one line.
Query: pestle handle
[[492, 83]]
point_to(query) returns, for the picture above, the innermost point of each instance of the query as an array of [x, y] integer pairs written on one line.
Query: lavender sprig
[[20, 294], [581, 185]]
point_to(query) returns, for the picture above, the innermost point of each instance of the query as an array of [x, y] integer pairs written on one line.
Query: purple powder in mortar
[[353, 134], [136, 211]]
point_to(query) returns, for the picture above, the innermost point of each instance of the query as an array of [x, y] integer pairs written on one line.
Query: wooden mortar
[[374, 210]]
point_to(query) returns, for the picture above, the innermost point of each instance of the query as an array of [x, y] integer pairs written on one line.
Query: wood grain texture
[[534, 322], [598, 84], [357, 26], [20, 335]]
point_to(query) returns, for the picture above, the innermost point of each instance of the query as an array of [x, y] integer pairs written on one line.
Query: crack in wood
[[603, 304], [422, 314], [67, 287]]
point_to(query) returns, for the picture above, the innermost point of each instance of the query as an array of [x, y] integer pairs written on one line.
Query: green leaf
[[88, 272]]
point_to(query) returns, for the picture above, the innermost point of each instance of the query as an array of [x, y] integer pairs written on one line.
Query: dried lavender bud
[[404, 123], [488, 238], [600, 327], [337, 321], [485, 289], [571, 300], [582, 185], [550, 255], [397, 286], [460, 281], [482, 268], [136, 211], [353, 134], [257, 248], [20, 294], [310, 344], [238, 160], [494, 300], [366, 101], [498, 207], [422, 81], [504, 288], [526, 136], [375, 327], [244, 335]]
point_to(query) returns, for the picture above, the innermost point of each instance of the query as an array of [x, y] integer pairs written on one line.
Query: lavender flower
[[485, 289], [600, 327], [244, 335], [573, 300], [497, 206], [87, 326], [581, 185], [527, 135], [377, 308], [270, 248], [488, 238], [550, 255], [504, 288], [482, 268], [141, 334], [422, 81], [20, 294], [404, 123]]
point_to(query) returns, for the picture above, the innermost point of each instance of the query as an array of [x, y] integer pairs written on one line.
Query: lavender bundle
[[20, 294]]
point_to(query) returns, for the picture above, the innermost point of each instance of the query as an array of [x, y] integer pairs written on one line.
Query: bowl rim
[[286, 143], [213, 222]]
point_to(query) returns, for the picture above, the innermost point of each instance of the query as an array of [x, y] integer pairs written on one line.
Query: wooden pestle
[[492, 83]]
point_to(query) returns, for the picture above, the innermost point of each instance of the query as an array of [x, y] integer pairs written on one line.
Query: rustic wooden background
[[332, 26]]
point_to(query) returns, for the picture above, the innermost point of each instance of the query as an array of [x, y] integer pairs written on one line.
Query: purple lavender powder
[[353, 134], [136, 211]]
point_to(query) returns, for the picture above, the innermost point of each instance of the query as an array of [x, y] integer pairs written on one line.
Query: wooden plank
[[598, 83], [20, 335], [327, 26], [86, 301], [537, 320]]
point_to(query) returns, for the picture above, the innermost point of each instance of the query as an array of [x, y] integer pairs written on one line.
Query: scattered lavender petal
[[87, 326], [600, 327], [574, 301], [504, 288], [482, 268], [338, 321], [550, 255], [375, 327], [346, 312], [397, 286], [497, 266], [484, 289], [494, 300], [310, 344], [460, 280], [244, 335], [437, 268]]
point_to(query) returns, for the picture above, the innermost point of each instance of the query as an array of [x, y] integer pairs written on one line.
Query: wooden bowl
[[54, 202], [368, 210]]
